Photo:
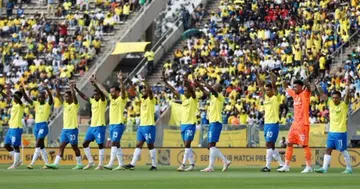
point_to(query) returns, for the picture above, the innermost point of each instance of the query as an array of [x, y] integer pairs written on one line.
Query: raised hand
[[92, 79], [120, 75]]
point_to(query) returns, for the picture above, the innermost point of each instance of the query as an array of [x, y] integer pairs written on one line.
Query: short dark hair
[[19, 94], [299, 82], [336, 93], [117, 88], [269, 85]]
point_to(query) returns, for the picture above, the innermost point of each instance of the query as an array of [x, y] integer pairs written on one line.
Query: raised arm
[[190, 88], [347, 93], [148, 89], [273, 83], [26, 97], [212, 90], [122, 86], [202, 88], [260, 83], [51, 99], [321, 93], [7, 97], [82, 95], [93, 82], [173, 90], [73, 88], [58, 94]]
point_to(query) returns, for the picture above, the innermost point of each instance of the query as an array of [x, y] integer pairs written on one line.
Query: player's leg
[[272, 141], [100, 139], [116, 132], [268, 134], [63, 142], [40, 132], [89, 137], [341, 146], [187, 134], [292, 139], [16, 143], [74, 145], [304, 142], [8, 143], [140, 135], [150, 141], [327, 158]]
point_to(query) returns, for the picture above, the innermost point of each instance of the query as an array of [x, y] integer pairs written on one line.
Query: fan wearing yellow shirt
[[97, 128], [42, 114], [69, 133], [117, 120], [188, 120], [13, 136], [217, 101], [337, 136], [272, 101], [146, 130]]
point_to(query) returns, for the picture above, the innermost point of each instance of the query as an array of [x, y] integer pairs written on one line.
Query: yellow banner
[[129, 47], [173, 156], [235, 138]]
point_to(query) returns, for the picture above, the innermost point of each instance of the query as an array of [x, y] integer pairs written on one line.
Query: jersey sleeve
[[290, 91]]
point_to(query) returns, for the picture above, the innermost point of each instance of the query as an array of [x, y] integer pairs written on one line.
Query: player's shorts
[[299, 136], [214, 132], [116, 132], [271, 132], [69, 136], [188, 131], [96, 133], [337, 141], [41, 130], [146, 133], [13, 136]]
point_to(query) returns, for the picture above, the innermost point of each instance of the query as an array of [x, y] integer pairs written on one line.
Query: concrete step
[[155, 77]]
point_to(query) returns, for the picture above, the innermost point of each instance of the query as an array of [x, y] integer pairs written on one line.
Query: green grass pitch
[[168, 178]]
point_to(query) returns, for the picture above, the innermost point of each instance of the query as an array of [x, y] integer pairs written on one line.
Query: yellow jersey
[[338, 116], [16, 114], [189, 110], [271, 107], [149, 55], [215, 108], [147, 112], [71, 115], [97, 112], [42, 112], [117, 107]]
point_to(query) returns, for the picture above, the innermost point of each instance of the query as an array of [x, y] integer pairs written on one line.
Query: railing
[[340, 51], [250, 136], [143, 62]]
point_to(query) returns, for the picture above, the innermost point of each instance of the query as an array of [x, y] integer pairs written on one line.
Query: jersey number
[[72, 137], [115, 134], [340, 143], [148, 136], [269, 134], [41, 131], [189, 133]]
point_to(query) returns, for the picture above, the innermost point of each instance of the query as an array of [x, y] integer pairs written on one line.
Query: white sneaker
[[100, 167], [307, 170], [119, 168], [18, 163], [283, 169], [91, 164], [11, 167], [226, 166], [181, 168], [207, 170], [191, 168]]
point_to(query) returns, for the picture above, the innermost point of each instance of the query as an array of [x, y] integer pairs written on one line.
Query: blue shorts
[[96, 133], [41, 130], [116, 132], [13, 136], [146, 133], [337, 141], [69, 136], [214, 132], [188, 132], [271, 132]]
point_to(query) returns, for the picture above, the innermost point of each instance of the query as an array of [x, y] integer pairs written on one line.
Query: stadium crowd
[[291, 38], [61, 41]]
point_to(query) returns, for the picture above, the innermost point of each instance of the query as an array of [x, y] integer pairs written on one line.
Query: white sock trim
[[88, 155]]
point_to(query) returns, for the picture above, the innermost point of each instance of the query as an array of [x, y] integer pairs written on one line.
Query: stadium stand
[[62, 39], [240, 36]]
